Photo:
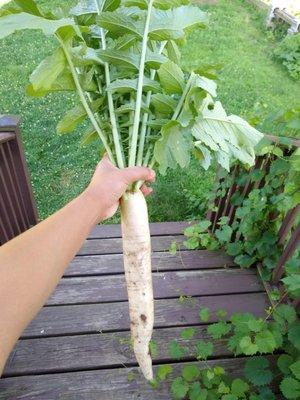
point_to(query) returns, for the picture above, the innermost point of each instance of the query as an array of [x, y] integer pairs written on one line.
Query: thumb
[[134, 174]]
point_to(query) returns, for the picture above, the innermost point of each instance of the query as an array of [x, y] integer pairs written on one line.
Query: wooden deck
[[77, 347]]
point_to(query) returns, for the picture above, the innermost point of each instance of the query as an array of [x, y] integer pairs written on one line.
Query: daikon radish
[[137, 265]]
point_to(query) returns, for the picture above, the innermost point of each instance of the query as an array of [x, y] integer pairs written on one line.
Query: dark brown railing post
[[17, 206]]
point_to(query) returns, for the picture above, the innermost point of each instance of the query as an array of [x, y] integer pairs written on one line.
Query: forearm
[[32, 264]]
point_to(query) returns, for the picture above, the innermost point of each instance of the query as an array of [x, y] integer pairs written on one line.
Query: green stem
[[84, 100], [146, 116], [182, 99], [113, 120], [137, 114]]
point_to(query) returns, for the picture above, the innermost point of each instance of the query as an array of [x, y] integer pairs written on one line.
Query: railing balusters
[[17, 207]]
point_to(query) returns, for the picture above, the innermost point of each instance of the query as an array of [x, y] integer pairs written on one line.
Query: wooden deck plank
[[71, 353], [164, 261], [102, 384], [91, 318], [114, 246], [168, 284], [156, 229]]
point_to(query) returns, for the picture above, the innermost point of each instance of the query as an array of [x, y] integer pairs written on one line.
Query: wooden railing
[[17, 207], [222, 206]]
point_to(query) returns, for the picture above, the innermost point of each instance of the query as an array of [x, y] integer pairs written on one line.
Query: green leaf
[[290, 388], [284, 361], [221, 313], [292, 282], [165, 4], [247, 346], [125, 59], [203, 155], [128, 85], [204, 349], [233, 249], [92, 6], [176, 350], [219, 329], [244, 260], [72, 118], [173, 248], [239, 387], [284, 313], [188, 333], [179, 388], [172, 148], [224, 234], [171, 77], [229, 397], [257, 372], [206, 84], [163, 104], [130, 106], [48, 71], [173, 52], [75, 116], [163, 371], [190, 372], [171, 24], [124, 42], [204, 314], [197, 393], [89, 136], [265, 342], [256, 325], [295, 368], [15, 22], [119, 23], [64, 82], [153, 348], [228, 136], [29, 6]]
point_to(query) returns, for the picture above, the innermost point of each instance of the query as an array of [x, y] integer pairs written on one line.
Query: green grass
[[60, 169]]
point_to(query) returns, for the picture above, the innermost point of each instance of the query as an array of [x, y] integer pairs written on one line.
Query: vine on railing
[[251, 215]]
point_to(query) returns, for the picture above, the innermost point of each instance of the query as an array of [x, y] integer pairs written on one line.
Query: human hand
[[109, 183]]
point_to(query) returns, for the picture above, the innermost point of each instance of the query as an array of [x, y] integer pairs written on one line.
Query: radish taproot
[[122, 57]]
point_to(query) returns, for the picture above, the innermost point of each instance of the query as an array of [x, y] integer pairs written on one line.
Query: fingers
[[134, 174], [105, 163], [146, 190]]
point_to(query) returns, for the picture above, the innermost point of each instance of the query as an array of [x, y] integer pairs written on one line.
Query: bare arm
[[32, 264]]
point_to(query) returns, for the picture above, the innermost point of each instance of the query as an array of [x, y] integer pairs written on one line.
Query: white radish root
[[137, 265]]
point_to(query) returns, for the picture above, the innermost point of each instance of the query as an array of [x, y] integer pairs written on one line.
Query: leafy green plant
[[244, 334], [288, 52]]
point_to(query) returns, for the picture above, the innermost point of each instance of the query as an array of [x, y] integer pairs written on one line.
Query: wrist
[[93, 204]]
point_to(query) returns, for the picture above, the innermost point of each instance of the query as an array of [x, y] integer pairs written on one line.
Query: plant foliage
[[123, 60]]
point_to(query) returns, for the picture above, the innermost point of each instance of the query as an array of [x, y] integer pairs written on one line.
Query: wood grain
[[167, 284], [71, 353], [91, 318], [164, 261], [114, 246], [103, 384], [156, 229]]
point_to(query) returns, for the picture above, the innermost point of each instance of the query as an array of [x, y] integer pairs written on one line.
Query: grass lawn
[[60, 169]]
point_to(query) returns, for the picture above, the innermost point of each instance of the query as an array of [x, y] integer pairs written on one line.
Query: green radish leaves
[[16, 22], [173, 148], [48, 71], [127, 56]]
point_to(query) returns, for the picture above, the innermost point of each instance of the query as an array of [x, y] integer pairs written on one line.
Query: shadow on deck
[[78, 347]]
